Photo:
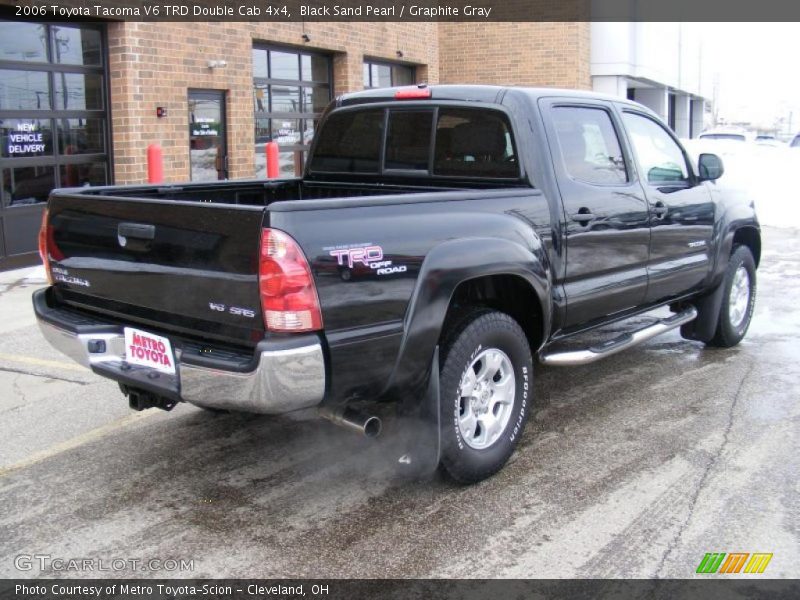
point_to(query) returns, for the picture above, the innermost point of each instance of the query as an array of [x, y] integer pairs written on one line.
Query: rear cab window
[[444, 141]]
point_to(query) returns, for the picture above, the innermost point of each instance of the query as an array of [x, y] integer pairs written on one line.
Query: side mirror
[[710, 167]]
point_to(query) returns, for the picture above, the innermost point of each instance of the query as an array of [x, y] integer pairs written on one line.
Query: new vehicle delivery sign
[[149, 350]]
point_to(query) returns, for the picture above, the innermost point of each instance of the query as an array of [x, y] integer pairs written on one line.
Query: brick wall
[[155, 64], [532, 54]]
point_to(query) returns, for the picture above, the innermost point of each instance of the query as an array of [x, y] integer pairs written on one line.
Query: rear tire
[[486, 386], [738, 299]]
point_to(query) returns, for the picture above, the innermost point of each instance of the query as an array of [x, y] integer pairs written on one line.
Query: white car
[[729, 135]]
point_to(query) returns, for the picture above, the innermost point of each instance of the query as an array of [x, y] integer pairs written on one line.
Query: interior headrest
[[479, 138]]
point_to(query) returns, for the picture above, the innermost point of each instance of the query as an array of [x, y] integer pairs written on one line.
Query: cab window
[[660, 157], [590, 149], [474, 143]]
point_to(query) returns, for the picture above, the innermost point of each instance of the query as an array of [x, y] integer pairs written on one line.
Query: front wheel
[[486, 384], [738, 299]]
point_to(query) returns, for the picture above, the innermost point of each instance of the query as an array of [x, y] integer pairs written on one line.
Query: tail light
[[288, 295], [45, 237]]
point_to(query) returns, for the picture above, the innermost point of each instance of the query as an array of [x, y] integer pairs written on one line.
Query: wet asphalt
[[635, 466]]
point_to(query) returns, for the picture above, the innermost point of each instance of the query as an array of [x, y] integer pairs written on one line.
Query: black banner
[[404, 10], [390, 589]]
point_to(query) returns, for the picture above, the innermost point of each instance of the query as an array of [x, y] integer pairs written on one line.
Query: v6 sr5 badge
[[365, 259], [237, 311]]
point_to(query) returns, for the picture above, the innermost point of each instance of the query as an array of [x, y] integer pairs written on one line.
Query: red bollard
[[155, 164], [273, 167]]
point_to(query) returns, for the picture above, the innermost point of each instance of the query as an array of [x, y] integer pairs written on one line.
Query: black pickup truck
[[440, 239]]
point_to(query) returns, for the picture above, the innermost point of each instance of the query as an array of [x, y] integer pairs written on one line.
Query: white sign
[[26, 140]]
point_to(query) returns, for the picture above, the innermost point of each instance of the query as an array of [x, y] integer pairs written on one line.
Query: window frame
[[691, 179]]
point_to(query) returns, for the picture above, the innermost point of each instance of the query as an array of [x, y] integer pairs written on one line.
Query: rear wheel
[[485, 386], [738, 299]]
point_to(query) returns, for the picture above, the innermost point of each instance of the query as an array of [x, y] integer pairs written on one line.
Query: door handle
[[660, 209], [136, 236], [583, 216], [139, 231]]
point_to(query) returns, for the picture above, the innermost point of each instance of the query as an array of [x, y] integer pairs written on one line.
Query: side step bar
[[618, 344]]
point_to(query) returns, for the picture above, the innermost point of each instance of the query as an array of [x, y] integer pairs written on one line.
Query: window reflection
[[76, 91], [260, 96], [23, 41], [81, 136], [284, 65], [74, 46], [24, 90], [260, 63], [83, 174], [379, 74], [315, 99], [286, 131], [315, 68], [285, 99], [28, 185]]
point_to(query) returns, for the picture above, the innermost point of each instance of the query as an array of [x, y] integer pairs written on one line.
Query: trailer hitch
[[142, 400]]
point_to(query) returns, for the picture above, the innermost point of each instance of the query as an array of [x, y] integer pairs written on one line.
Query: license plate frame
[[147, 349]]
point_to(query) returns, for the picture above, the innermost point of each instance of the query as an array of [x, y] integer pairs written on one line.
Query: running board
[[618, 344]]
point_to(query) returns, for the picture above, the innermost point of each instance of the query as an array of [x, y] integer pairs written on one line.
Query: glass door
[[208, 153]]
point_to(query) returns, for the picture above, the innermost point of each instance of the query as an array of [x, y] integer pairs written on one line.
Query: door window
[[207, 151], [589, 145], [660, 157]]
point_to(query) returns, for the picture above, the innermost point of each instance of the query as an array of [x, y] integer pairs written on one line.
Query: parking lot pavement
[[635, 466]]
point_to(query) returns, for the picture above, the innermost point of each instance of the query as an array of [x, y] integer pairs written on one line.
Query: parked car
[[440, 240], [769, 140], [728, 135]]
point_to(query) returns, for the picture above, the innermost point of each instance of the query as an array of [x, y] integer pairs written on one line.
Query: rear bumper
[[285, 375]]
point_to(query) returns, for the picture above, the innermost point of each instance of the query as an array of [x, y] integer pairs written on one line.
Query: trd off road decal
[[365, 256]]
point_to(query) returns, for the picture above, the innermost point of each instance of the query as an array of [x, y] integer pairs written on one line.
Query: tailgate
[[185, 267]]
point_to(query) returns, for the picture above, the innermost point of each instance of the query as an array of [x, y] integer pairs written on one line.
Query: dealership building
[[80, 103]]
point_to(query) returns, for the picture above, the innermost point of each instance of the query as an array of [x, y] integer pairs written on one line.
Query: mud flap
[[708, 307], [418, 429]]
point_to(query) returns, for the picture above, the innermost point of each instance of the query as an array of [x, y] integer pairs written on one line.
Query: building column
[[655, 99], [348, 72], [697, 112], [614, 85], [682, 115]]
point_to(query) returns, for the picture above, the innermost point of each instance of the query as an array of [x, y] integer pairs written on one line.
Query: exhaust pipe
[[355, 420]]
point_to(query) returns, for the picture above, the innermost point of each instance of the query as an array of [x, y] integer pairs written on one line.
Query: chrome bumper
[[284, 380]]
